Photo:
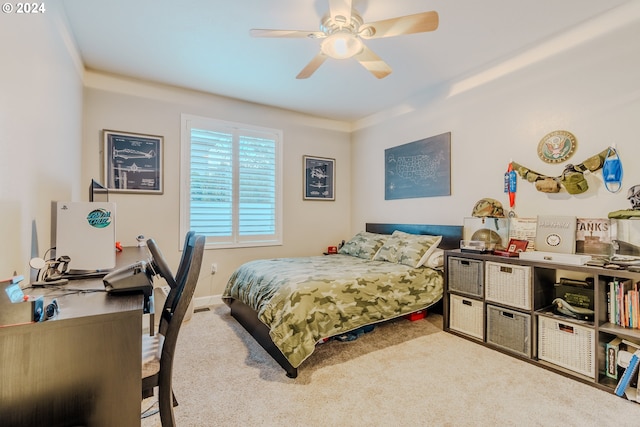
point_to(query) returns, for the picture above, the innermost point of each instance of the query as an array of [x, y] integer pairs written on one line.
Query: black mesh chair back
[[160, 348]]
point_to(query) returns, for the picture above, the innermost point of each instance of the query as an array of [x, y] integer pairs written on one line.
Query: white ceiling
[[205, 45]]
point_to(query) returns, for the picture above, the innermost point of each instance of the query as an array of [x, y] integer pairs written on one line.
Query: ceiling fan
[[343, 31]]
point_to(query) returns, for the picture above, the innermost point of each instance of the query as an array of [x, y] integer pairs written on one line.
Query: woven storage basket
[[465, 276], [509, 330], [466, 316], [508, 284], [567, 345]]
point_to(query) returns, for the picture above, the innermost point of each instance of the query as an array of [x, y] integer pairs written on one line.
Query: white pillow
[[435, 259]]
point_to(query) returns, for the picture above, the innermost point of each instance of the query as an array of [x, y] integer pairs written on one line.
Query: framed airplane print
[[132, 162], [319, 178]]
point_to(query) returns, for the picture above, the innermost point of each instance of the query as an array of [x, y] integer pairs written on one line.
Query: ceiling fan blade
[[418, 23], [286, 33], [312, 66], [340, 10], [373, 63]]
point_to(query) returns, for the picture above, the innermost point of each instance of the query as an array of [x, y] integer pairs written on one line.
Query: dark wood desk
[[81, 368]]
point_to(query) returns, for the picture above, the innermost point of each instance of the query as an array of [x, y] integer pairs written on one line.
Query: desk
[[82, 367]]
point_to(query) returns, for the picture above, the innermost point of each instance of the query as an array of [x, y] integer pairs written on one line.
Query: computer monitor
[[97, 192]]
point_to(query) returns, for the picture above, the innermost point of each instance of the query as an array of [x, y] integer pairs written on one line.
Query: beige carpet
[[401, 374]]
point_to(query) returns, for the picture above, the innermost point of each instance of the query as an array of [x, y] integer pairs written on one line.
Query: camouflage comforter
[[303, 300]]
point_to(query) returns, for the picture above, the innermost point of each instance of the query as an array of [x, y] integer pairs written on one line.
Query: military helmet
[[490, 237], [488, 208], [633, 195]]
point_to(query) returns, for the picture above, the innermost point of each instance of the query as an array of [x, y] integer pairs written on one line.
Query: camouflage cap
[[488, 208]]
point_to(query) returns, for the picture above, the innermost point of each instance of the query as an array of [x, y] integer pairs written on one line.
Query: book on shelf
[[611, 360], [593, 236], [623, 301], [556, 233], [631, 346], [524, 229], [627, 376], [633, 394]]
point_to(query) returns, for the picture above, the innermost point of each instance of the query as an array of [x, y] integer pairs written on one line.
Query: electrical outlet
[[214, 268]]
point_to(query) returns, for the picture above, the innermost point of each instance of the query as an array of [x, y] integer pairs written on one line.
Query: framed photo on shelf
[[517, 245], [133, 162], [514, 248], [319, 178]]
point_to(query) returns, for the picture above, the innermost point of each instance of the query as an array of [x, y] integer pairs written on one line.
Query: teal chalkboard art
[[419, 169]]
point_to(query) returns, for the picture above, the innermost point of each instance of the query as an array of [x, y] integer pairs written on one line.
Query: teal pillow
[[408, 249], [364, 245]]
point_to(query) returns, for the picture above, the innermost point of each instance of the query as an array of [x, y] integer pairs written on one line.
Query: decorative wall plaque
[[557, 146]]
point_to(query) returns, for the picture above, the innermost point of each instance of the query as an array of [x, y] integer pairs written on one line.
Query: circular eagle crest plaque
[[557, 146], [553, 239]]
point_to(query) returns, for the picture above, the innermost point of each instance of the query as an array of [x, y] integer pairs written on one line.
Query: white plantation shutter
[[230, 183], [257, 185], [211, 183]]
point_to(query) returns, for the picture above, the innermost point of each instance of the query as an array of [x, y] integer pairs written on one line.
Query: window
[[231, 180]]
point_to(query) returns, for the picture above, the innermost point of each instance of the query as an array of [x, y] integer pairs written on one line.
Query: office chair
[[160, 267], [158, 350], [184, 261]]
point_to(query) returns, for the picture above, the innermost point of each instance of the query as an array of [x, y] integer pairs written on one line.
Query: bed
[[386, 271]]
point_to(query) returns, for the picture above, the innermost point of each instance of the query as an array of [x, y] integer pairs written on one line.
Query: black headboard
[[451, 234]]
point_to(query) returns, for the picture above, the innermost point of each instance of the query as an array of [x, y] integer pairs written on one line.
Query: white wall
[[590, 89], [586, 82], [40, 122], [122, 104]]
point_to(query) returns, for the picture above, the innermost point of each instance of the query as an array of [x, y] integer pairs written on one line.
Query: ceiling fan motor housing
[[342, 39], [331, 25]]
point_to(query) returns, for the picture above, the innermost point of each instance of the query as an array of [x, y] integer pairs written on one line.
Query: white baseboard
[[160, 295], [203, 302]]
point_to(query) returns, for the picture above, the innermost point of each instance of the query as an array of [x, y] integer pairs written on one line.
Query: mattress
[[303, 300]]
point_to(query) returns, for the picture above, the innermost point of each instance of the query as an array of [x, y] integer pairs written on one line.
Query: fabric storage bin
[[567, 345], [465, 276], [509, 329], [466, 315], [508, 284]]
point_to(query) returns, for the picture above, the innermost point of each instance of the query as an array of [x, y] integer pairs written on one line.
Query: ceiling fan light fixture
[[341, 45]]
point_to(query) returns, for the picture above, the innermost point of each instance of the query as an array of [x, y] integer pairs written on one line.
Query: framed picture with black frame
[[319, 178], [133, 162]]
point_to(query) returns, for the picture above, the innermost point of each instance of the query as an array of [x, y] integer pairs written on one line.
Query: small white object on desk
[[141, 241], [571, 259]]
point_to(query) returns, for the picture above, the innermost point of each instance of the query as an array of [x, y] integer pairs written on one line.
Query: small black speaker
[[38, 309]]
